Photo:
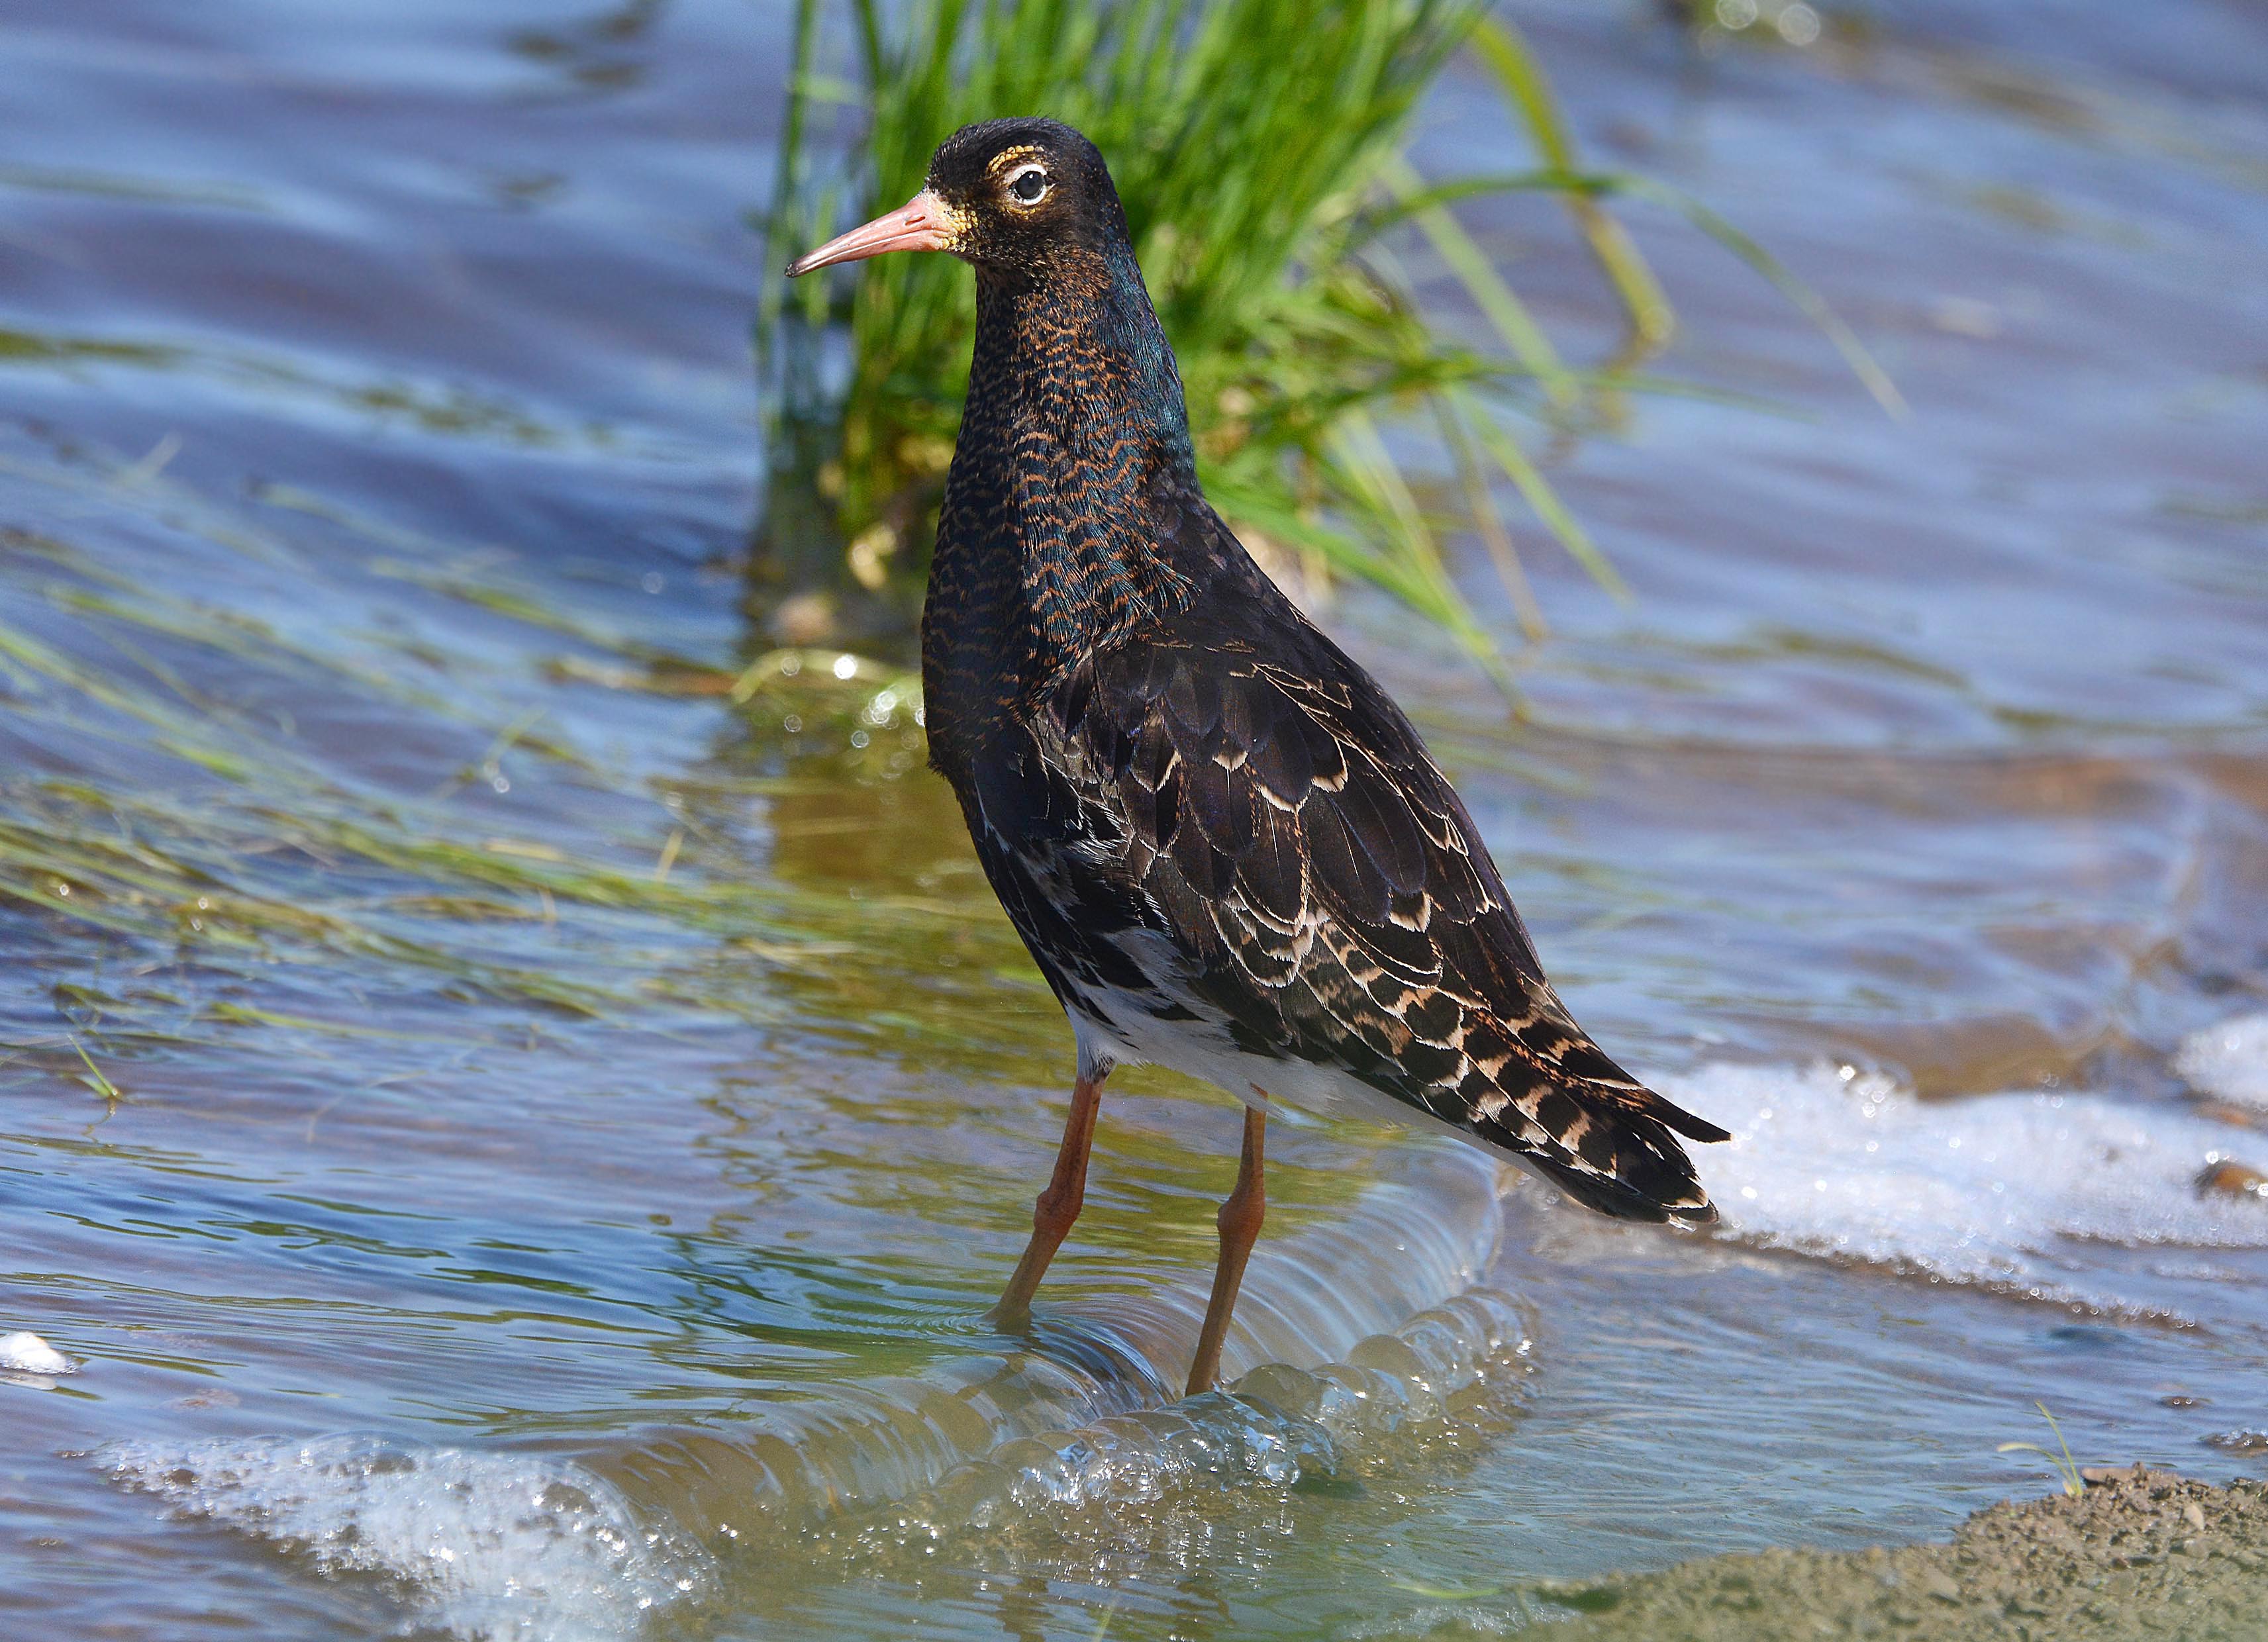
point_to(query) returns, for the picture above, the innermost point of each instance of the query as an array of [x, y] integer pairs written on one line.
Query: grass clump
[[1254, 143], [2074, 1482], [1259, 146]]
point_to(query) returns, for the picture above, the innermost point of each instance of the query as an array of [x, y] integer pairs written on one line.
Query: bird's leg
[[1240, 1215], [1057, 1208]]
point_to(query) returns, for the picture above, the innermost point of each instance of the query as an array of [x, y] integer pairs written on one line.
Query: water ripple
[[1351, 1334]]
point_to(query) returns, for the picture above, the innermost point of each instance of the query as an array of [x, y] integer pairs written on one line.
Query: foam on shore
[[2004, 1189]]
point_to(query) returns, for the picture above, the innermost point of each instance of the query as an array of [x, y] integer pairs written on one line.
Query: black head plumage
[[1028, 198]]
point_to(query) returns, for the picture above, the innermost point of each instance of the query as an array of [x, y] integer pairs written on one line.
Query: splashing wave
[[1332, 1295], [493, 1545], [1273, 1428], [2229, 1060]]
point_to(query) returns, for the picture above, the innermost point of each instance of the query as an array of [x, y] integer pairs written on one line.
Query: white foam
[[2229, 1060], [25, 1352], [1997, 1189], [494, 1546]]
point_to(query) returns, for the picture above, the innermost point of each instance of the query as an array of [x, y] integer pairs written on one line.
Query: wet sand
[[2146, 1554]]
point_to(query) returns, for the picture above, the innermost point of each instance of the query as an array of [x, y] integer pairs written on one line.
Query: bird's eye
[[1029, 185]]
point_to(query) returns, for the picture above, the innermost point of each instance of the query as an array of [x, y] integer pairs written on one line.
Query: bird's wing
[[1328, 895]]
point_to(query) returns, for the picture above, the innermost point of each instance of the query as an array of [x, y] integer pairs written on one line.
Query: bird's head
[[1021, 199]]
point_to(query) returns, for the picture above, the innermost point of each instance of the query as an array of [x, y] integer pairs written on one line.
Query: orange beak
[[919, 224]]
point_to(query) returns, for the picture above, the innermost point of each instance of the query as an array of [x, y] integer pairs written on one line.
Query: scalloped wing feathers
[[1231, 781]]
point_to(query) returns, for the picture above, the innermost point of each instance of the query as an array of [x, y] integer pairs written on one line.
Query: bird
[[1226, 847]]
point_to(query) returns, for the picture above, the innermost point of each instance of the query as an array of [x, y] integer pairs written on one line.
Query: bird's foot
[[1010, 1317]]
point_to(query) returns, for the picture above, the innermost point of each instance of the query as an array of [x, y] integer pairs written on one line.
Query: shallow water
[[567, 1130]]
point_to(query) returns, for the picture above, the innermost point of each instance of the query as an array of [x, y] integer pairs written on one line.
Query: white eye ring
[[1023, 175]]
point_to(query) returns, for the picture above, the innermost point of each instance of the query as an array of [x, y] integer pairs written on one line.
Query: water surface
[[518, 1139]]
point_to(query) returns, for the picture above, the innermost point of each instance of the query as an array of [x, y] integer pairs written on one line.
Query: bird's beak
[[922, 224]]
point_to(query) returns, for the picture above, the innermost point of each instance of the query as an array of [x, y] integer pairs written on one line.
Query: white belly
[[1204, 1049]]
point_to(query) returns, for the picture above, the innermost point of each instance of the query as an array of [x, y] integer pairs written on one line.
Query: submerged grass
[[200, 839], [96, 1080], [1259, 146], [412, 896]]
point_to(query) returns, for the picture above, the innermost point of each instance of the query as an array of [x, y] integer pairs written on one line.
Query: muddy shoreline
[[2140, 1554]]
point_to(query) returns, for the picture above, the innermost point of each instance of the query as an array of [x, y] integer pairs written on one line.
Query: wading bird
[[1225, 845]]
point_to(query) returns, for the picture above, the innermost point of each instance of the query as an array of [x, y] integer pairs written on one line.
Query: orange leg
[[1057, 1208], [1240, 1215]]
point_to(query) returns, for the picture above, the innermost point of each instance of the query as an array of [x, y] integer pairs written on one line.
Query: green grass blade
[[1496, 300], [1806, 301], [1537, 490], [1480, 501], [1505, 51]]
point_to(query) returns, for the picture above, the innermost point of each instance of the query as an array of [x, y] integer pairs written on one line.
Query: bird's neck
[[1072, 514]]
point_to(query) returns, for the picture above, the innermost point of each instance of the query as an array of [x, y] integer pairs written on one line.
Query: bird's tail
[[1609, 1143]]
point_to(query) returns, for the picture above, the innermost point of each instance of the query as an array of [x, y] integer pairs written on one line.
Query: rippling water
[[514, 1139]]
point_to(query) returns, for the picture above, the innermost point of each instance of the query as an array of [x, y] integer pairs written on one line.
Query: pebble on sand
[[24, 1352], [2230, 1178]]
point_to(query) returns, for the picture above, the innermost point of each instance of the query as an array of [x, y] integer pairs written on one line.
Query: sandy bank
[[2145, 1555]]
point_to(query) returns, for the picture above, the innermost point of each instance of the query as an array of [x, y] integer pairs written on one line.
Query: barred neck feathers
[[1072, 513]]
